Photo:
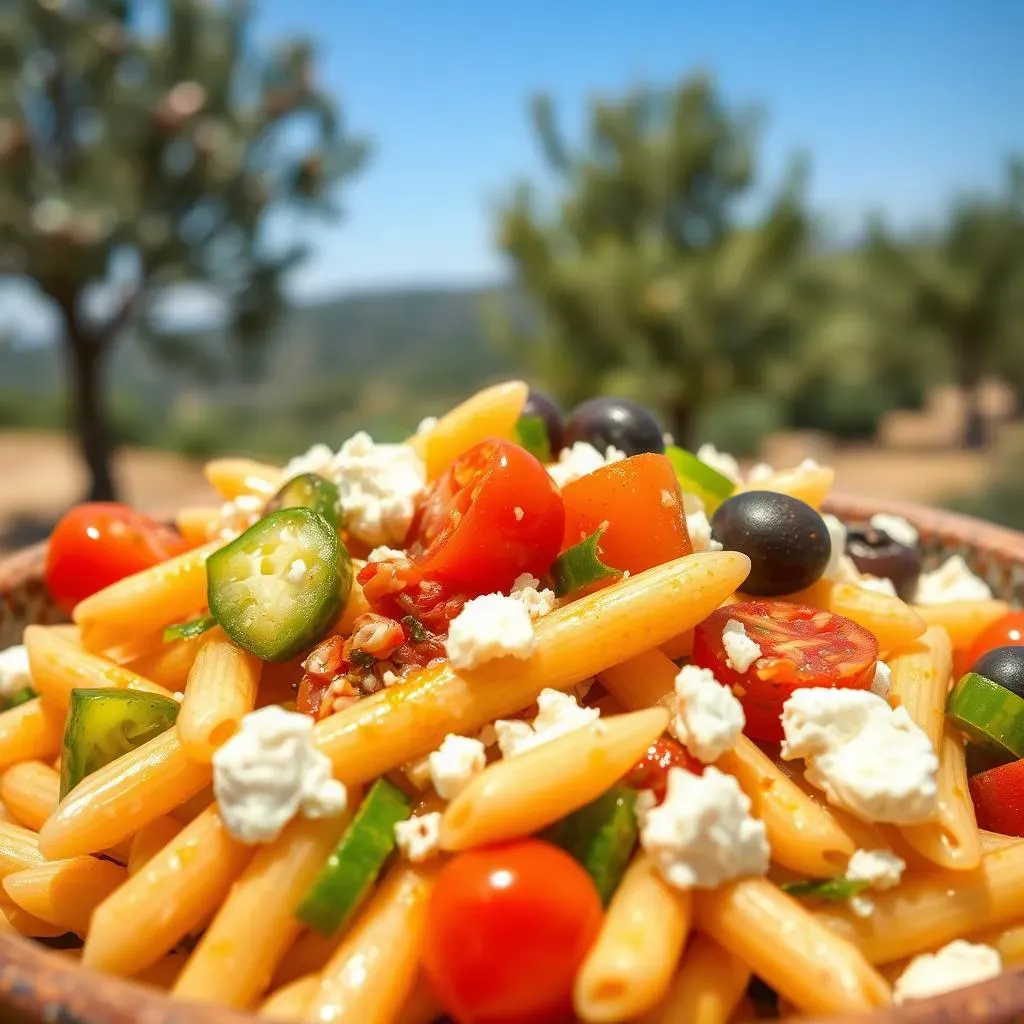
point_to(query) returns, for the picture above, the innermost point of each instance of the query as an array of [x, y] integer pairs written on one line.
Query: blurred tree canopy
[[133, 163], [647, 277]]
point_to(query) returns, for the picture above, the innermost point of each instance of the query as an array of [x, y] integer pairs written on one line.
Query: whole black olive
[[627, 425], [787, 542], [544, 408], [875, 553], [1005, 666]]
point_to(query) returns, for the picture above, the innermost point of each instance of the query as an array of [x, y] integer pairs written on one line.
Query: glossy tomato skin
[[998, 796], [832, 651], [1005, 632], [651, 771], [494, 515], [99, 543], [637, 501], [507, 929]]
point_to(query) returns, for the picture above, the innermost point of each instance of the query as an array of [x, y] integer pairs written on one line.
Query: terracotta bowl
[[38, 987]]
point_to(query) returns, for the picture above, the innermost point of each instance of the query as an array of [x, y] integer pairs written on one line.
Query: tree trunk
[[975, 434], [682, 419]]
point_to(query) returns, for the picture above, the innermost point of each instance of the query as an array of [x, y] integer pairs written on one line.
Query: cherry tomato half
[[1005, 632], [638, 503], [998, 796], [800, 647], [651, 771], [507, 929], [493, 515], [99, 543]]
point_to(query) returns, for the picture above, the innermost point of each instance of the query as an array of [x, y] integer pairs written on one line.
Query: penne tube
[[309, 955], [375, 969], [952, 840], [1009, 942], [814, 968], [680, 646], [990, 841], [65, 892], [289, 1002], [150, 840], [708, 988], [19, 849], [520, 795], [964, 621], [492, 412], [221, 689], [29, 732], [630, 966], [811, 486], [115, 801], [920, 681], [233, 477], [163, 973], [643, 681], [30, 791], [236, 958], [198, 524], [22, 923], [169, 665], [408, 720], [176, 892]]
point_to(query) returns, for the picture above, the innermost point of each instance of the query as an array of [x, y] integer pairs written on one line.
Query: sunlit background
[[790, 228]]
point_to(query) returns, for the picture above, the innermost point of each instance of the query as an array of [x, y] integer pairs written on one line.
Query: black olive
[[787, 542], [1005, 666], [540, 405], [875, 553], [627, 425]]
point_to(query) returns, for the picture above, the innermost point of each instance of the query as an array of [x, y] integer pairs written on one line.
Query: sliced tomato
[[494, 515], [1005, 632], [651, 771], [100, 543], [800, 647], [638, 504], [507, 929], [998, 796]]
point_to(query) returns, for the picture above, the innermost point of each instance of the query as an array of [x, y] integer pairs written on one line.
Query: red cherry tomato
[[800, 647], [1005, 632], [651, 771], [638, 503], [100, 543], [493, 515], [998, 796], [507, 929]]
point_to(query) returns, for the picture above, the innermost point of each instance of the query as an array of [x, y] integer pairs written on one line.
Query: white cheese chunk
[[760, 473], [839, 565], [317, 460], [708, 718], [952, 581], [722, 462], [539, 601], [15, 673], [454, 764], [488, 627], [268, 772], [581, 460], [881, 869], [557, 714], [741, 651], [897, 528], [386, 554], [702, 834], [699, 529], [954, 966], [419, 837], [882, 683], [867, 757]]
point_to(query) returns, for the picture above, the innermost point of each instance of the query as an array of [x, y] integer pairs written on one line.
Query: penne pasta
[[30, 791], [629, 968], [168, 665], [14, 919], [309, 955], [809, 485], [29, 732], [289, 1002], [964, 621], [1009, 942], [647, 679], [813, 967], [150, 840], [19, 849], [199, 524], [233, 477], [920, 681], [520, 795], [990, 841]]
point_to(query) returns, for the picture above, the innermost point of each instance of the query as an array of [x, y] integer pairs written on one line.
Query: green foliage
[[739, 423], [1001, 500]]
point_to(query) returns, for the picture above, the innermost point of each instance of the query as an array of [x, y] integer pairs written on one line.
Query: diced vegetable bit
[[832, 890], [104, 724], [696, 477], [989, 715], [312, 491], [998, 796], [415, 629], [189, 630], [12, 700], [533, 436], [280, 586], [601, 836], [356, 862], [581, 566]]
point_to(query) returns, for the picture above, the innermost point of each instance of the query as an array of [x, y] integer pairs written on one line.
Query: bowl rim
[[41, 985]]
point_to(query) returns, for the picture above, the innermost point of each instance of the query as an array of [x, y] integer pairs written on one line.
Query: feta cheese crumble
[[454, 764], [488, 627], [760, 473], [15, 673], [881, 869], [896, 527], [882, 683], [867, 757], [317, 460], [699, 529], [557, 714], [702, 834], [741, 652], [721, 462], [581, 460], [538, 602], [952, 581], [954, 966], [708, 718], [386, 554], [268, 772], [419, 837]]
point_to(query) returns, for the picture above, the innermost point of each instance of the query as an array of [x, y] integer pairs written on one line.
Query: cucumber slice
[[103, 724], [989, 715], [696, 477], [352, 869], [278, 588], [601, 836], [312, 491]]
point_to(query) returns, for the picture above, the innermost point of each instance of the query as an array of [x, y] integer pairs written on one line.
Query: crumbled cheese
[[837, 568], [296, 572], [722, 462], [557, 714], [581, 460], [15, 673], [881, 869], [385, 554], [178, 695], [879, 584], [454, 764], [268, 772], [317, 460], [957, 965], [419, 837], [952, 581], [488, 627], [708, 718], [538, 602], [897, 528], [869, 758], [741, 652], [882, 683], [702, 834], [426, 425], [518, 513], [760, 473], [238, 515], [699, 529]]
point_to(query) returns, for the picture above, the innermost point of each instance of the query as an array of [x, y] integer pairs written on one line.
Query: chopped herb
[[12, 700], [832, 890], [580, 566], [533, 436], [417, 631], [189, 630], [363, 659]]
